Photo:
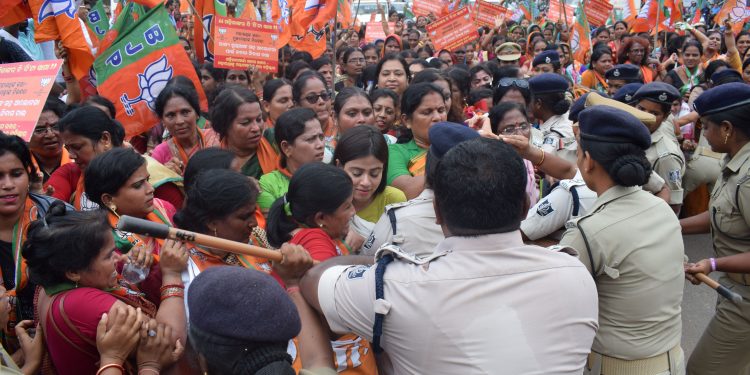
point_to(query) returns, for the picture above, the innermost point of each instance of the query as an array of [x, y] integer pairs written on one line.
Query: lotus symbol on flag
[[51, 8], [44, 81], [150, 82], [740, 12], [575, 40]]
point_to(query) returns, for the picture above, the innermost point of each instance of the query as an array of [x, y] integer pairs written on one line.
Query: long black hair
[[314, 188]]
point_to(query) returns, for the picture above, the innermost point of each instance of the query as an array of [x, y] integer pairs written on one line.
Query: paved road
[[698, 301]]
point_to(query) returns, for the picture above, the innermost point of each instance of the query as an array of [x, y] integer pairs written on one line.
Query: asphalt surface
[[698, 301]]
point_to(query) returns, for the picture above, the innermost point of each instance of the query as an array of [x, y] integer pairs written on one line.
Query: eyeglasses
[[357, 61], [507, 82], [39, 130], [517, 128], [313, 98], [637, 51]]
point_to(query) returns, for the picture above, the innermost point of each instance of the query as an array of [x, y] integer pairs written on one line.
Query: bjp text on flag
[[453, 30], [425, 7], [597, 11], [374, 31], [240, 43], [23, 88], [486, 13]]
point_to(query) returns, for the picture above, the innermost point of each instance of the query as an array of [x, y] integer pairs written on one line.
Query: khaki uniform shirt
[[667, 160], [730, 206], [416, 228], [481, 305], [635, 252], [559, 138]]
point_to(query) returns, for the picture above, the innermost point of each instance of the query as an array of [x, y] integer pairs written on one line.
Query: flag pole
[[656, 30], [333, 46], [195, 13], [565, 14]]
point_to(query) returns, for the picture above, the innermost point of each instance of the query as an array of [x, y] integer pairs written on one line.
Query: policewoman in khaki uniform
[[724, 347], [631, 243], [665, 156]]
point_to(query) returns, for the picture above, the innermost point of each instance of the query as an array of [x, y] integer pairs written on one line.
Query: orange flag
[[580, 37], [58, 20], [280, 15], [737, 11], [204, 20], [645, 20], [149, 3], [309, 18], [13, 12]]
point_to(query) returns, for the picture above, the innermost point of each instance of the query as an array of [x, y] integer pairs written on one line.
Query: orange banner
[[23, 89], [240, 43], [597, 12], [453, 31], [425, 7], [555, 14], [374, 31], [486, 13]]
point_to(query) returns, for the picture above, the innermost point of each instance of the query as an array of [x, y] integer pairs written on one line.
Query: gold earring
[[726, 138], [321, 225], [113, 207]]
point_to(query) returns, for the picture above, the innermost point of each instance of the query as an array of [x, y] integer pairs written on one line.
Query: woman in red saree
[[117, 181], [80, 284], [315, 214]]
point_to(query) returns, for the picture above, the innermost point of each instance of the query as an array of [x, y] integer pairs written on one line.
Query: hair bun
[[630, 170]]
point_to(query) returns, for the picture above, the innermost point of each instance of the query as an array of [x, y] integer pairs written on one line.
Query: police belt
[[646, 366], [739, 278], [705, 151]]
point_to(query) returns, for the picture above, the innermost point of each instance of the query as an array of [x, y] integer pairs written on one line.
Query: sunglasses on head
[[506, 82]]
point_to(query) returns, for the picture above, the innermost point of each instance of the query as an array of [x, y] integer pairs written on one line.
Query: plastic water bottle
[[133, 272]]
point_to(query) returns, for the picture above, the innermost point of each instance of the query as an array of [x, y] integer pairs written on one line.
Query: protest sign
[[374, 31], [555, 12], [597, 12], [486, 13], [241, 43], [23, 90], [425, 7], [453, 30]]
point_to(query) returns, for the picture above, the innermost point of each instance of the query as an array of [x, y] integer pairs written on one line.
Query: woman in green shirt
[[422, 105], [363, 153], [299, 136]]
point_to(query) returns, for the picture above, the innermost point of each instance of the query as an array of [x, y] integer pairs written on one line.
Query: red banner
[[486, 13], [597, 12], [23, 89], [452, 31], [555, 14], [425, 7], [374, 31], [240, 43]]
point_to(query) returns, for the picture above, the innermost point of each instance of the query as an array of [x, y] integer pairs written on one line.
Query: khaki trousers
[[724, 348]]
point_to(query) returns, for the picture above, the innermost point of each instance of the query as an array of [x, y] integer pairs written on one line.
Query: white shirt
[[488, 305]]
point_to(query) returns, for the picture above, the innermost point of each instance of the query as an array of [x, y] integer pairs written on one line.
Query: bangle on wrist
[[537, 165], [292, 289], [713, 264], [148, 370], [109, 366]]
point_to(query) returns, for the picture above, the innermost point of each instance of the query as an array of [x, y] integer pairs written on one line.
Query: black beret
[[546, 57], [577, 106], [627, 92], [625, 72], [608, 124], [242, 304], [445, 135], [722, 98], [659, 92], [725, 76], [547, 83]]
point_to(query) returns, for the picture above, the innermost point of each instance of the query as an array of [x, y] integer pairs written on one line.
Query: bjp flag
[[580, 37], [13, 12], [737, 11], [128, 16], [309, 20], [345, 17], [137, 66], [247, 11], [97, 20], [58, 20], [149, 3], [280, 15], [629, 12], [645, 20], [207, 10]]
